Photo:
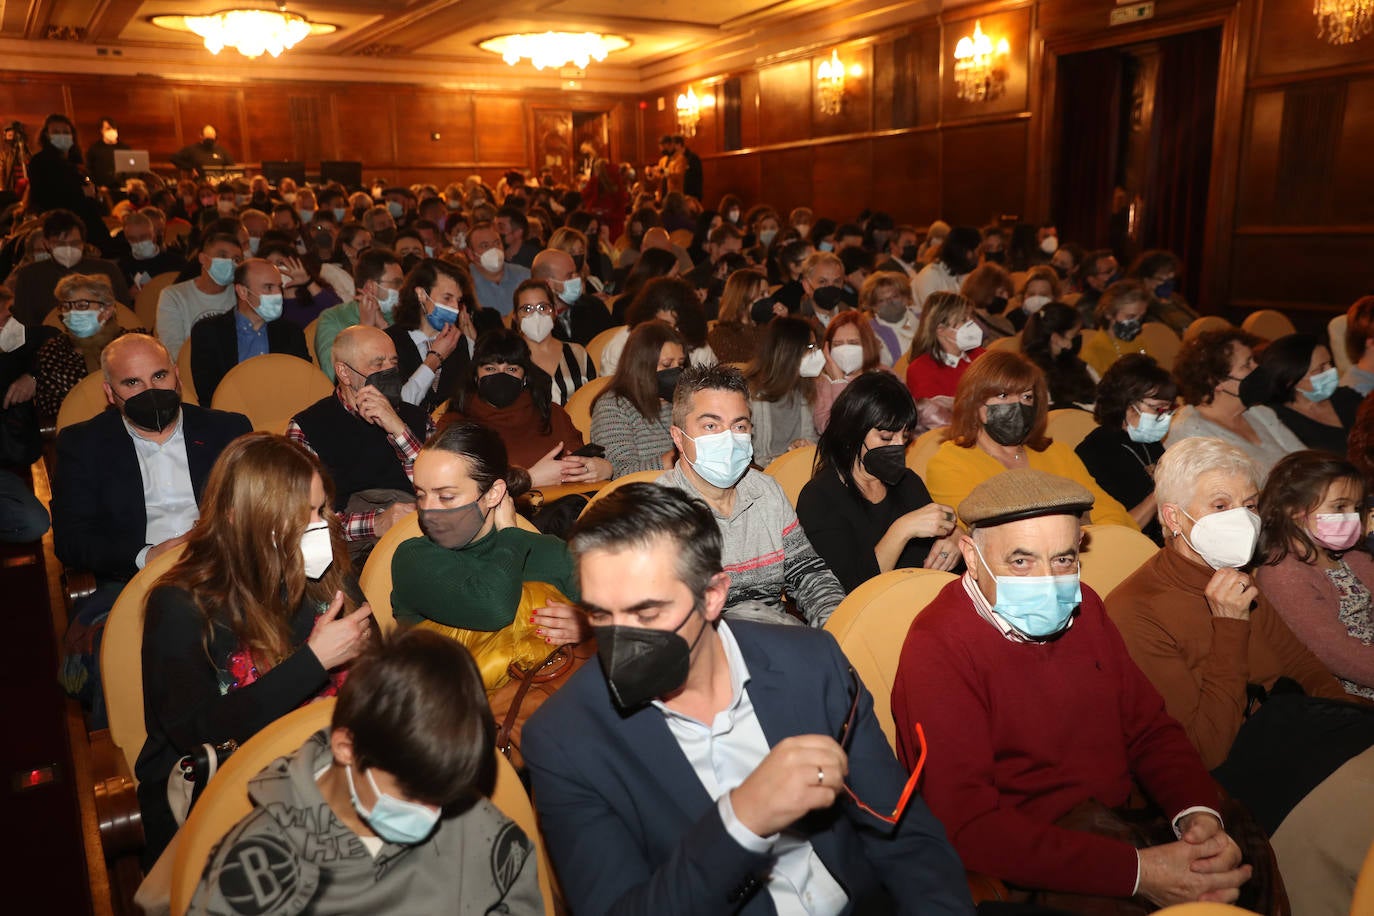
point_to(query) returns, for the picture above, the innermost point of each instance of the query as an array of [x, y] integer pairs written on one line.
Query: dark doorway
[[1134, 147]]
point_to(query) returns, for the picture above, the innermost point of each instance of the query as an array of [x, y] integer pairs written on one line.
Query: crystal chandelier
[[554, 49], [980, 67], [830, 84], [1342, 22], [251, 32], [688, 113]]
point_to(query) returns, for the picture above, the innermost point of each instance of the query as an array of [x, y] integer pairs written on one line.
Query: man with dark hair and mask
[[365, 435], [708, 765], [196, 157], [494, 279], [956, 258], [901, 251], [61, 252], [128, 483]]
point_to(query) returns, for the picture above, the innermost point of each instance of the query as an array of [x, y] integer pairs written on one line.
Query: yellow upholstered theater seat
[[919, 453], [792, 470], [1269, 324], [85, 400], [598, 344], [145, 301], [611, 487], [1160, 341], [188, 380], [1070, 425], [1110, 554], [579, 406], [1010, 344], [310, 341], [1363, 902], [271, 389], [1201, 909], [1205, 323]]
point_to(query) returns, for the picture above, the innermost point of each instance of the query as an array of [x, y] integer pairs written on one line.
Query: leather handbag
[[188, 778], [527, 690]]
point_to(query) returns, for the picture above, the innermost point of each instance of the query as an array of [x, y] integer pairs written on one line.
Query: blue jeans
[[22, 516]]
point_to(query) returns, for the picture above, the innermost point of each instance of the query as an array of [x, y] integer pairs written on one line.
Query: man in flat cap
[[1039, 723]]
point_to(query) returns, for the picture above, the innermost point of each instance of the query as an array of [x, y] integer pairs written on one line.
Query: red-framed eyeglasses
[[846, 737]]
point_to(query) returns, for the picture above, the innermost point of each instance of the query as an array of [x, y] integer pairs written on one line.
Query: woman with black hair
[[567, 363], [782, 387], [57, 174], [507, 392], [1052, 338], [662, 298], [864, 510], [433, 331], [1134, 407], [651, 264], [631, 418], [1296, 377]]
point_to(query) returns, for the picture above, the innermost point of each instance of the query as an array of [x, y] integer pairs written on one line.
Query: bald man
[[581, 314], [658, 237], [196, 157], [252, 328], [366, 436]]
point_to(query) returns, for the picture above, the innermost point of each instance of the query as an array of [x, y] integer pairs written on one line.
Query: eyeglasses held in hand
[[846, 737]]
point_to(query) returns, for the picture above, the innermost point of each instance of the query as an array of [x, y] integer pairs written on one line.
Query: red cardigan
[[928, 377], [1020, 733]]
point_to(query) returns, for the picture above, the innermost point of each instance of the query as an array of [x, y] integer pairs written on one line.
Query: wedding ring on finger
[[820, 776]]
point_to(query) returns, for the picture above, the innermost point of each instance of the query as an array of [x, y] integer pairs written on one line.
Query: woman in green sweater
[[469, 570]]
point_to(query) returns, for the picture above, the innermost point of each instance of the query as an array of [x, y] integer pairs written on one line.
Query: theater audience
[[887, 301], [581, 314], [823, 288], [947, 342], [507, 392], [851, 348], [254, 327], [632, 416], [1099, 271], [147, 258], [989, 287], [644, 809], [782, 388], [954, 260], [647, 267], [766, 552], [435, 331], [378, 279], [63, 238], [1042, 727], [20, 444], [1158, 272], [211, 292], [1052, 339], [1040, 289], [351, 241], [1359, 333], [864, 510], [1225, 662], [365, 436], [1120, 316], [306, 295], [1134, 409], [566, 364], [659, 298], [87, 306], [493, 277], [1211, 370], [1309, 564], [1296, 378], [383, 752], [245, 627], [745, 307], [998, 425]]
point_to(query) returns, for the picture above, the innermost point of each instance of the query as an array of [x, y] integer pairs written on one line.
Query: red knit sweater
[[1020, 733]]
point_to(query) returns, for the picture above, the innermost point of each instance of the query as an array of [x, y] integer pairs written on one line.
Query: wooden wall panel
[[1259, 168], [750, 128], [420, 115], [501, 130], [1354, 189], [364, 128], [856, 114], [1288, 42], [840, 179], [31, 101], [269, 124], [785, 103], [222, 107], [985, 173], [738, 174], [785, 178], [906, 177], [1014, 26], [1301, 270]]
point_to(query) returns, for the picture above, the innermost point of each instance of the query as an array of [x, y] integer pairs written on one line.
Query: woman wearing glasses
[[565, 362], [87, 307]]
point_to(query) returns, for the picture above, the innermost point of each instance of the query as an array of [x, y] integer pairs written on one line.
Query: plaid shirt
[[362, 525]]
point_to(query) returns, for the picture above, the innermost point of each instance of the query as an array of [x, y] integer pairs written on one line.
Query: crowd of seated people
[[458, 326]]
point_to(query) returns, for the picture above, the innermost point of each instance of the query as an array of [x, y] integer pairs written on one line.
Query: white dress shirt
[[723, 754], [169, 499]]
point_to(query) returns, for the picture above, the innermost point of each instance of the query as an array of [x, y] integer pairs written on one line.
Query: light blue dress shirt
[[252, 341]]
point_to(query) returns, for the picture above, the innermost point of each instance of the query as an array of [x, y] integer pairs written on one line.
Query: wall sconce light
[[1342, 22], [688, 113], [980, 66], [830, 84]]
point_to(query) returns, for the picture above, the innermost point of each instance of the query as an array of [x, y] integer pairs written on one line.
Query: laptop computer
[[131, 160]]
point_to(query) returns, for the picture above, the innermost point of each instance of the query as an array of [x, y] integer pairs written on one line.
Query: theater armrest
[[77, 584], [116, 798], [985, 887]]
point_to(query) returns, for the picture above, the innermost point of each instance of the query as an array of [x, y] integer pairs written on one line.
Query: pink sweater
[[1304, 596]]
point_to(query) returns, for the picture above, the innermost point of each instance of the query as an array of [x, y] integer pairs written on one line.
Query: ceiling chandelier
[[1342, 22], [554, 49], [251, 32]]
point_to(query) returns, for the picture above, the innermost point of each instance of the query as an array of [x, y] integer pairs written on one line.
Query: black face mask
[[887, 463], [453, 528], [1253, 389], [153, 409], [1010, 424], [387, 381], [828, 298], [996, 257], [1126, 330], [1076, 346], [500, 389], [761, 312], [667, 382], [1061, 270], [998, 305], [909, 253], [208, 143], [384, 237], [641, 664]]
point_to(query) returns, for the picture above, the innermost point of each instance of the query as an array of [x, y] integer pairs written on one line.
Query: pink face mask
[[1339, 531]]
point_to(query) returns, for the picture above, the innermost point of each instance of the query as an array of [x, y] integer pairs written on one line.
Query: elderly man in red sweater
[[1038, 720]]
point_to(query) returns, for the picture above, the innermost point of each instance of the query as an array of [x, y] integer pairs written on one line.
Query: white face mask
[[812, 363], [12, 335], [1049, 244], [1224, 539], [849, 357], [316, 550], [537, 326], [1032, 304], [492, 259], [67, 255], [968, 336]]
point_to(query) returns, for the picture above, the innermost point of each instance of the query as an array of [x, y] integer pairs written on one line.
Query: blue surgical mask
[[441, 317], [339, 214], [254, 242], [222, 270], [1323, 385], [722, 458], [395, 209], [1166, 289], [1037, 606], [395, 821], [61, 142], [387, 303], [1152, 427], [571, 291], [826, 246], [82, 323], [766, 236], [269, 306]]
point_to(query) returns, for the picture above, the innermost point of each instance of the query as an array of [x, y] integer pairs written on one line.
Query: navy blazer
[[99, 518], [631, 828], [215, 348]]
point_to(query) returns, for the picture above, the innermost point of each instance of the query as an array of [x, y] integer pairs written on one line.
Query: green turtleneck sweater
[[478, 586]]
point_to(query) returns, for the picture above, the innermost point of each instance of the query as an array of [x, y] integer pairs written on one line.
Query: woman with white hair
[[1230, 670], [86, 304]]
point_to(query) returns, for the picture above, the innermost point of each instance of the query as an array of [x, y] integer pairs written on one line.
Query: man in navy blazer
[[696, 768], [100, 512]]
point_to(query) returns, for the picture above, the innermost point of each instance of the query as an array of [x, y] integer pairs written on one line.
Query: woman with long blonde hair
[[253, 620]]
